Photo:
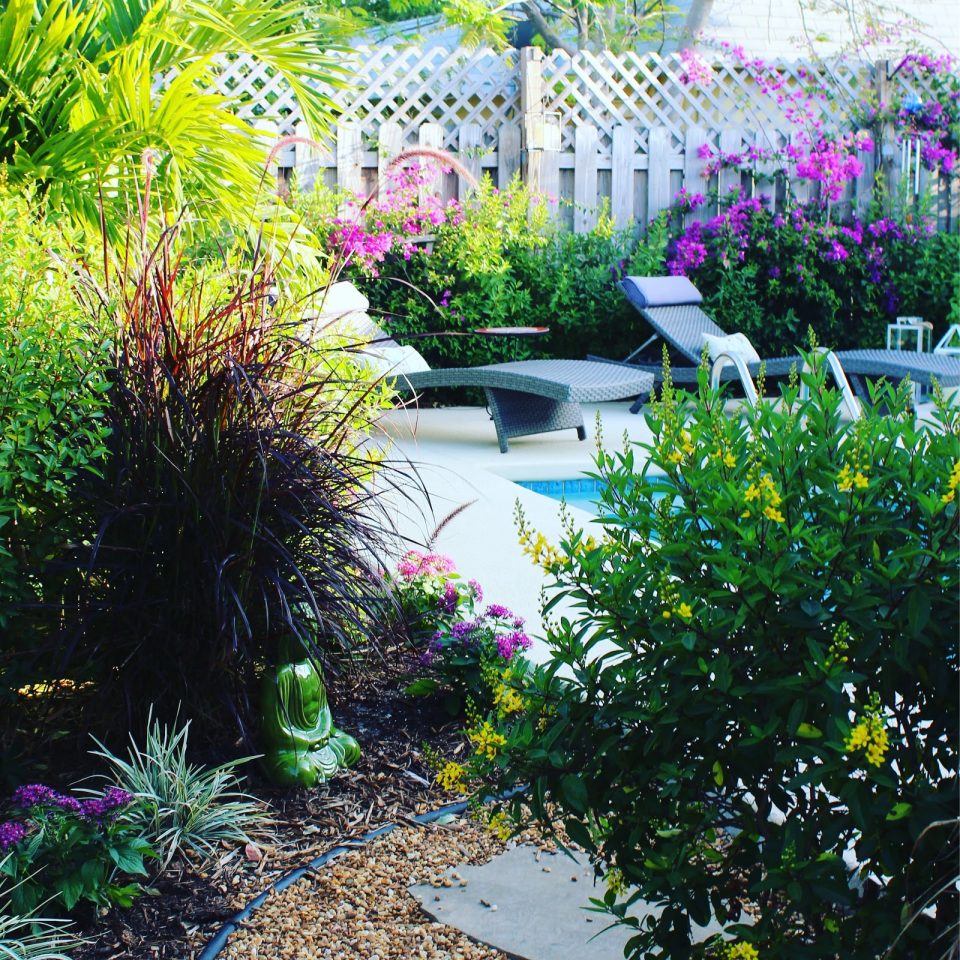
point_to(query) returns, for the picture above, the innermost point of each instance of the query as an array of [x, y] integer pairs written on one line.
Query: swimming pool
[[579, 492]]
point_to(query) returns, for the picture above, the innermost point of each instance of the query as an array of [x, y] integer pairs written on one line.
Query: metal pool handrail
[[850, 401]]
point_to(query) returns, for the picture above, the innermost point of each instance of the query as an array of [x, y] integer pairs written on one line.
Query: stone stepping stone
[[530, 907]]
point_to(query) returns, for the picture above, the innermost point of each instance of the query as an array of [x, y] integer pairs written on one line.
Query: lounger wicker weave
[[683, 324], [537, 396]]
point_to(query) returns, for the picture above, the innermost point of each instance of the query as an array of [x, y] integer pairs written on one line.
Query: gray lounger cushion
[[645, 292]]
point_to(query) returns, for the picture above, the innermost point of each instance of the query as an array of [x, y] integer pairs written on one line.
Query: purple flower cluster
[[11, 833], [37, 795], [449, 599], [34, 795], [508, 644], [112, 800], [745, 230]]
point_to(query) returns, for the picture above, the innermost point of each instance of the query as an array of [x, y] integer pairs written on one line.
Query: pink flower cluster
[[696, 70], [833, 160], [416, 564], [393, 222]]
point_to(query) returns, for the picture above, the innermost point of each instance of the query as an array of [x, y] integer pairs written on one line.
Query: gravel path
[[357, 906]]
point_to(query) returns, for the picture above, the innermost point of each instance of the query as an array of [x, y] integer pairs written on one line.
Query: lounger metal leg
[[517, 414]]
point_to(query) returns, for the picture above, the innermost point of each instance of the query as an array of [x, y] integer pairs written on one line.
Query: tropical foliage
[[87, 89]]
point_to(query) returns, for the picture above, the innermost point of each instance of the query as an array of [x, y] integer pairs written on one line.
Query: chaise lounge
[[537, 396], [671, 305], [524, 396]]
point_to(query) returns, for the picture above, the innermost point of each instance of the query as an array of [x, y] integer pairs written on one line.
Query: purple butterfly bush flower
[[463, 630], [37, 795], [109, 804], [11, 833], [448, 601], [508, 644], [498, 611]]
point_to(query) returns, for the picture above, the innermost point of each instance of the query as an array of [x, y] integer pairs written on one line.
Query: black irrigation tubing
[[219, 940]]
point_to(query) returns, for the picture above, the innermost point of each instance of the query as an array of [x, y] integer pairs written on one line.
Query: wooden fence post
[[694, 177], [508, 154], [731, 140], [306, 160], [349, 157], [767, 139], [622, 176], [866, 178], [585, 179], [389, 145], [532, 116], [431, 138], [469, 145], [658, 171]]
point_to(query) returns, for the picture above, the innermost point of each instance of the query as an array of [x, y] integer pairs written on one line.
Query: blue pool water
[[580, 492]]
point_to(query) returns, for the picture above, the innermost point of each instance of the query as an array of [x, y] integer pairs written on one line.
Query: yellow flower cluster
[[952, 483], [616, 881], [847, 479], [675, 454], [670, 596], [499, 826], [507, 700], [869, 735], [543, 553], [765, 493], [742, 951], [452, 777], [726, 458], [837, 651], [486, 740]]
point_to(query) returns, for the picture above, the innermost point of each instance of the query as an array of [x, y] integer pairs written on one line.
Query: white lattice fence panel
[[451, 88], [403, 85], [645, 90]]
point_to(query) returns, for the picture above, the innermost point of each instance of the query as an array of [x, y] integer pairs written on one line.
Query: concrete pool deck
[[454, 451]]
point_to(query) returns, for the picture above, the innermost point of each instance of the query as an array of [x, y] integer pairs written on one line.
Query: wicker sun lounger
[[537, 396], [524, 396], [680, 321]]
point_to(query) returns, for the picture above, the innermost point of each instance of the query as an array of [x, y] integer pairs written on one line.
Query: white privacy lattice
[[621, 128]]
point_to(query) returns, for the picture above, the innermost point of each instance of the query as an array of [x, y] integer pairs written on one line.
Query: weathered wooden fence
[[623, 130]]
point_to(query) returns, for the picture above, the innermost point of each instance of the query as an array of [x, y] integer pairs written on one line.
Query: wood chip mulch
[[391, 783]]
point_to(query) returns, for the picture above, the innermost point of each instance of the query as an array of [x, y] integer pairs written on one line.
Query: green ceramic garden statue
[[301, 744]]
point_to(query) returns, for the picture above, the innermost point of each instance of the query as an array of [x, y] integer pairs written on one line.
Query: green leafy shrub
[[52, 381], [231, 511], [62, 848], [181, 806], [753, 701]]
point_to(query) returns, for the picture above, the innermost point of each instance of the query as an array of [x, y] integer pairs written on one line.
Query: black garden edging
[[219, 940]]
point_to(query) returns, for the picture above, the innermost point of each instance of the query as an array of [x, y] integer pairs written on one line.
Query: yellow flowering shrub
[[759, 675]]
